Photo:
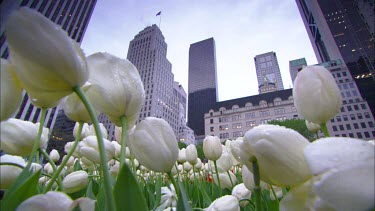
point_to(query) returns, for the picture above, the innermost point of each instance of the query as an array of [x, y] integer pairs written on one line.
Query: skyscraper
[[268, 71], [73, 16], [202, 83], [295, 66], [148, 52], [344, 29]]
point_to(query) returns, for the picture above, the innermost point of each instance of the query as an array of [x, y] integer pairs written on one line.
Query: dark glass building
[[343, 29], [73, 16], [202, 83]]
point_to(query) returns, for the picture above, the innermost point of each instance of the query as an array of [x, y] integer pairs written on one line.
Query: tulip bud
[[68, 146], [103, 130], [74, 108], [84, 132], [316, 94], [212, 148], [224, 163], [279, 152], [198, 165], [70, 161], [225, 181], [241, 192], [52, 200], [191, 154], [10, 173], [83, 203], [48, 168], [89, 149], [312, 126], [48, 63], [35, 167], [224, 203], [241, 152], [54, 155], [117, 87], [182, 155], [10, 91], [75, 181], [187, 166], [117, 148], [278, 192], [154, 144], [18, 136]]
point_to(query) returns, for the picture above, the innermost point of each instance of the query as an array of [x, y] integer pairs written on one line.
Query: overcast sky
[[241, 29]]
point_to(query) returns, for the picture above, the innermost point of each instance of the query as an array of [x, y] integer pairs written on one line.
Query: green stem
[[59, 182], [174, 184], [324, 129], [274, 194], [248, 200], [37, 139], [103, 160], [230, 179], [257, 184], [124, 123], [65, 160], [218, 177]]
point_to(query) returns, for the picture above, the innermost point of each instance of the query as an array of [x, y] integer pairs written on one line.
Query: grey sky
[[241, 29]]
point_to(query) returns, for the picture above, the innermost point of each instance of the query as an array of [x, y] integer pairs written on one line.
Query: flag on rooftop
[[159, 13]]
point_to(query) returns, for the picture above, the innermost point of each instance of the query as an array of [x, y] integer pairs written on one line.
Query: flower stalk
[[59, 183], [325, 129], [124, 134], [257, 183], [103, 162], [218, 177], [37, 140]]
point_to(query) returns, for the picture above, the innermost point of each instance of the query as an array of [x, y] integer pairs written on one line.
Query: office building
[[202, 84], [73, 16], [268, 72], [233, 118], [164, 97], [344, 30]]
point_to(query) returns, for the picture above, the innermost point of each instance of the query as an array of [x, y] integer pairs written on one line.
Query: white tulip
[[10, 91], [224, 203], [191, 154], [248, 179], [224, 163], [48, 63], [225, 180], [117, 148], [154, 144], [35, 167], [242, 153], [316, 94], [182, 155], [103, 130], [70, 161], [117, 87], [90, 150], [54, 155], [168, 198], [10, 173], [198, 165], [77, 152], [241, 192], [18, 136], [84, 203], [187, 166], [52, 200], [279, 152], [75, 181], [212, 148], [74, 108], [84, 132], [312, 126]]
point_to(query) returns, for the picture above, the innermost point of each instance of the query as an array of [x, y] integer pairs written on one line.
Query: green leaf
[[100, 200], [92, 189], [158, 192], [183, 202], [206, 199], [23, 188], [77, 166], [127, 194]]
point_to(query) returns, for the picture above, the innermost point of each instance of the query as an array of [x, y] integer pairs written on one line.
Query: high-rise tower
[[202, 83], [268, 72], [73, 16], [148, 52], [344, 29]]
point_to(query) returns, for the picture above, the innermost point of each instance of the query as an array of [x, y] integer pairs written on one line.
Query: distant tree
[[200, 151], [181, 145], [297, 125]]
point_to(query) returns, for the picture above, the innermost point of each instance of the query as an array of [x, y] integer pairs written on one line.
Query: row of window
[[352, 117], [252, 115], [355, 126], [235, 134], [358, 134]]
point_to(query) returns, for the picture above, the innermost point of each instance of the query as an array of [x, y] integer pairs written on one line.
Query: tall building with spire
[[344, 30], [73, 16], [202, 83]]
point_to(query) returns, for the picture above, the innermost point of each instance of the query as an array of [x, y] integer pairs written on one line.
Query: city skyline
[[251, 28]]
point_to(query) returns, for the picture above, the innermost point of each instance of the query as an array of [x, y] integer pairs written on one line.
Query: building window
[[237, 134], [334, 128], [367, 114], [359, 115], [236, 117], [250, 124], [363, 125], [349, 108], [338, 118], [367, 135], [359, 135], [355, 125], [249, 115], [345, 117], [212, 129], [237, 126], [341, 127], [348, 127], [223, 127], [352, 116], [211, 121]]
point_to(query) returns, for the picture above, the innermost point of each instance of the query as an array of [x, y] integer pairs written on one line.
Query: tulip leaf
[[206, 199], [92, 189], [158, 191], [183, 202], [127, 194], [77, 166], [100, 199], [23, 188]]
